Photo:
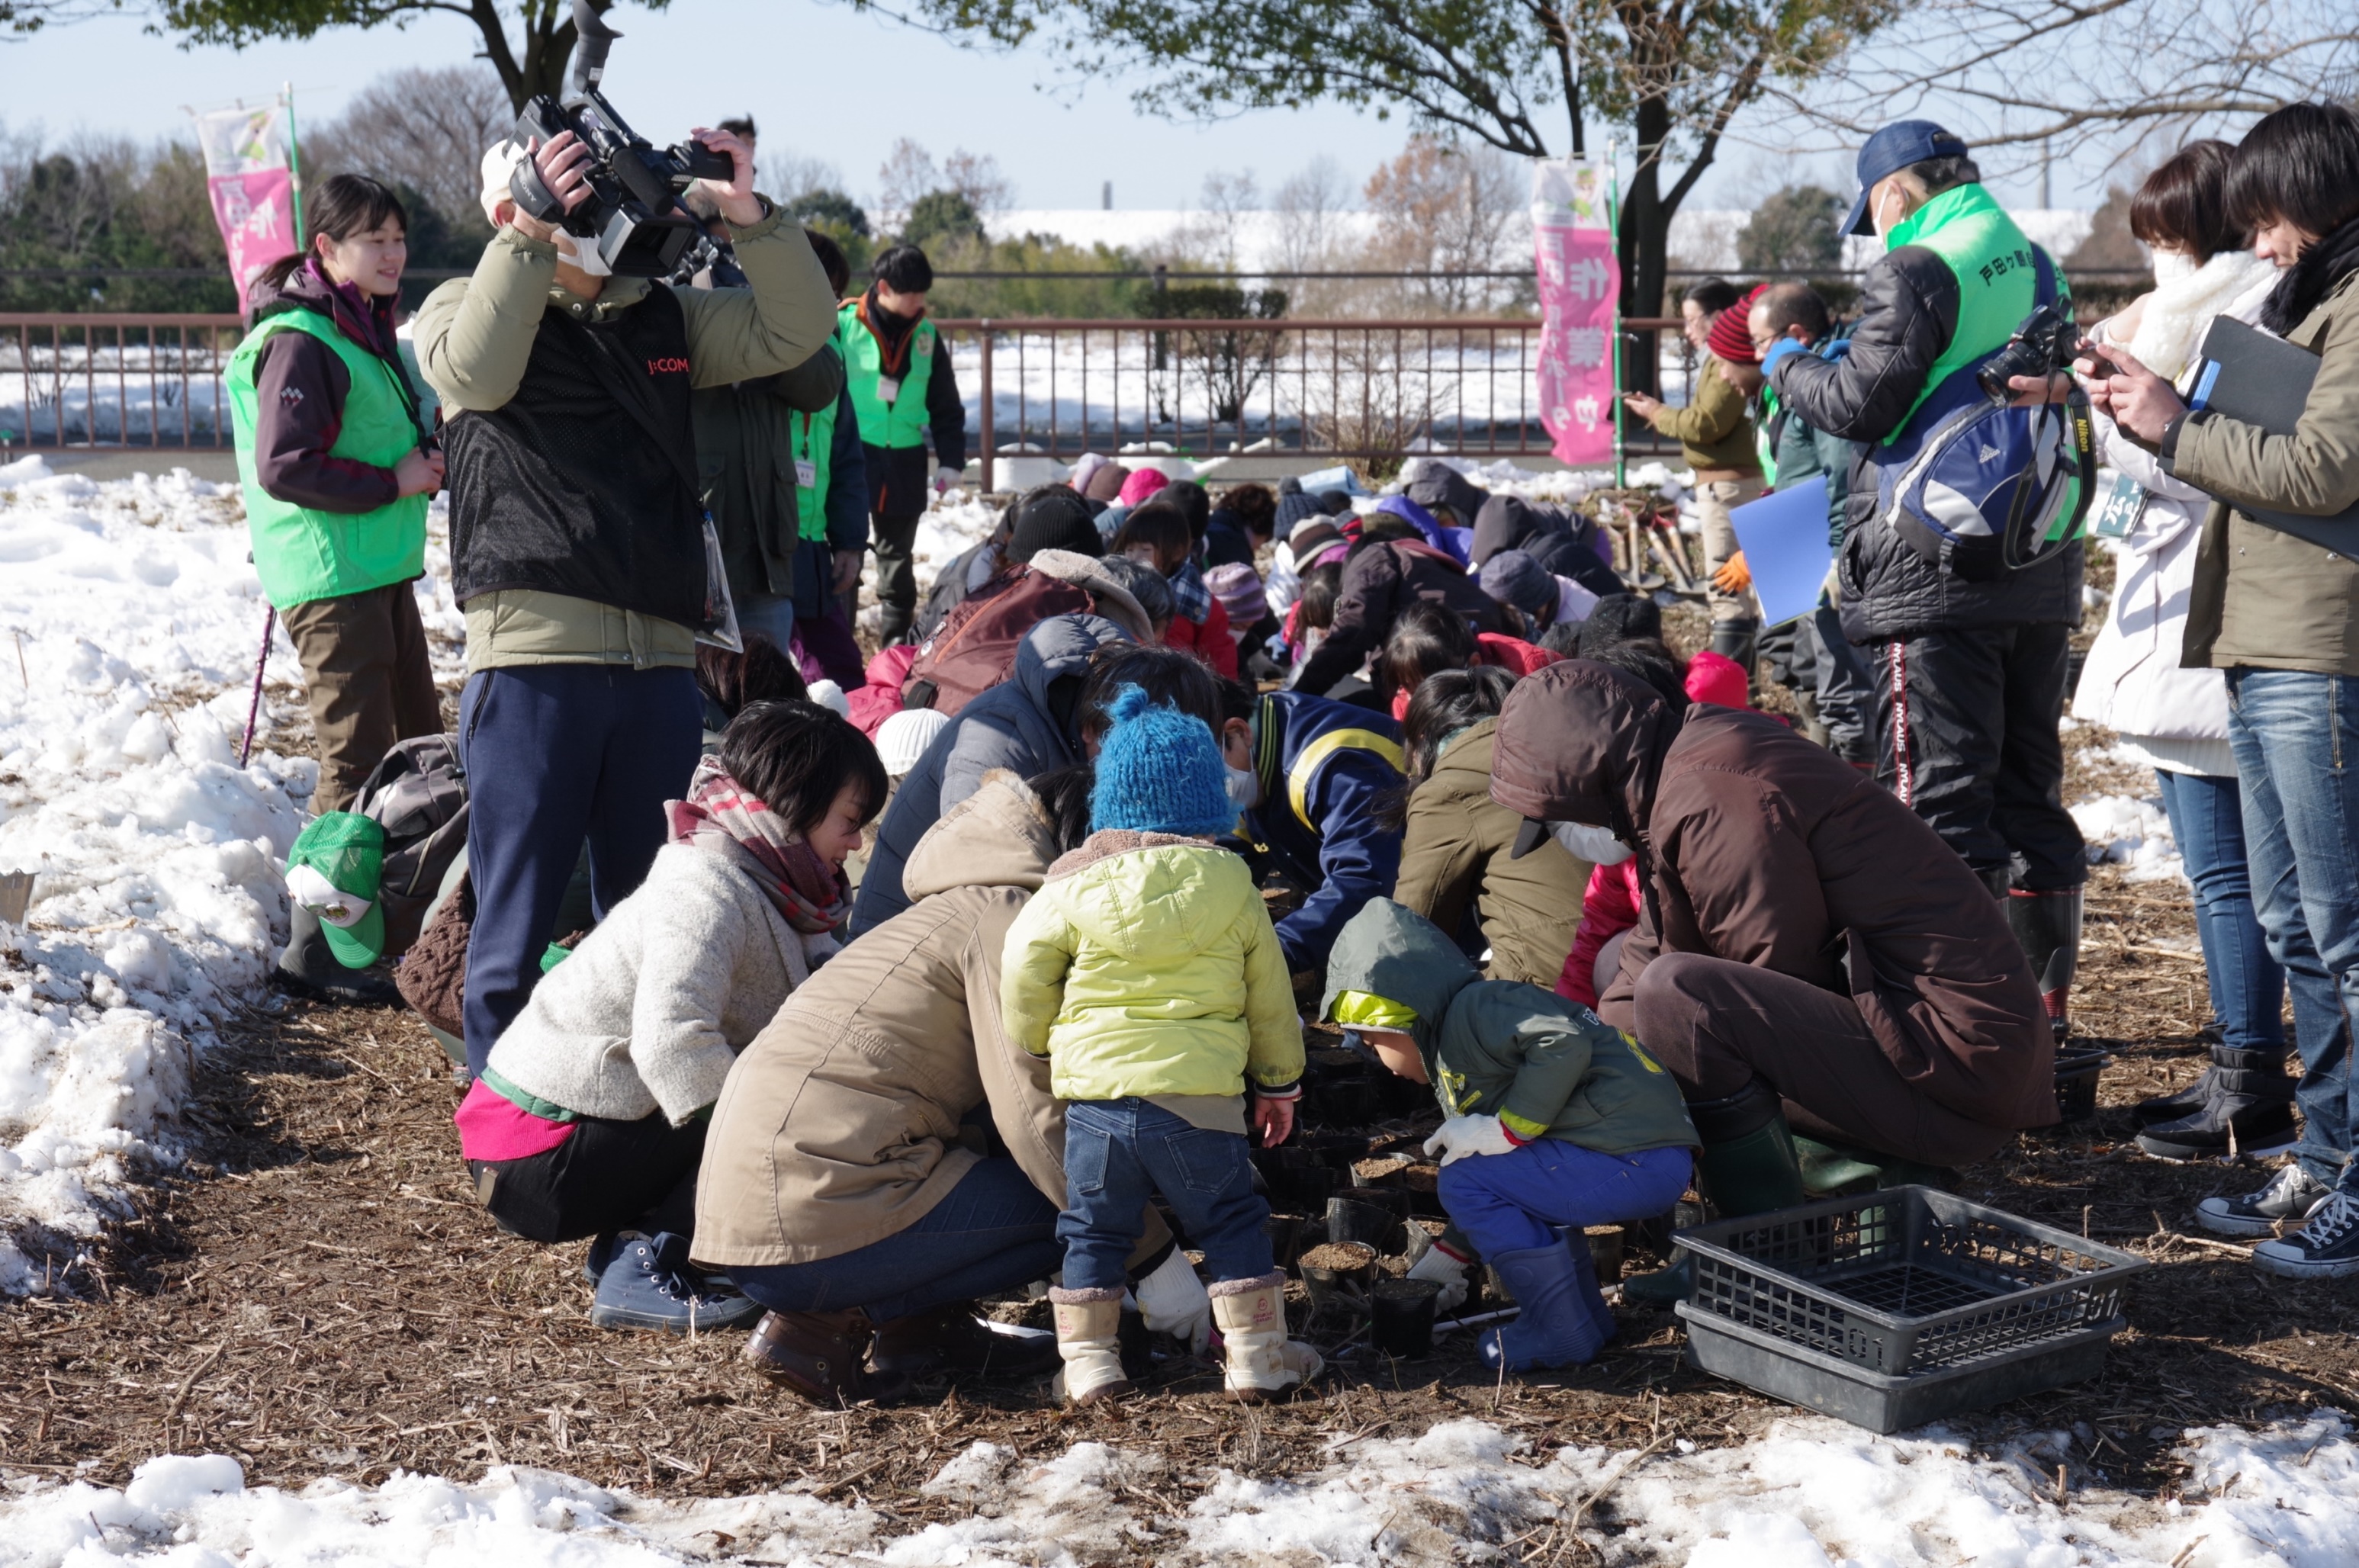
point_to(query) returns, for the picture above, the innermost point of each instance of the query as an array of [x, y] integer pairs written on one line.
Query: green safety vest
[[1994, 264], [814, 442], [901, 422], [1762, 444], [302, 554]]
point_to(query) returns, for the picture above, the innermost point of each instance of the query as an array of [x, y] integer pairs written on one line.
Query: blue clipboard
[[1784, 537]]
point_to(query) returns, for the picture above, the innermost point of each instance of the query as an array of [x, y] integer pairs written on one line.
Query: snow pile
[[1810, 1493], [2131, 832], [131, 618]]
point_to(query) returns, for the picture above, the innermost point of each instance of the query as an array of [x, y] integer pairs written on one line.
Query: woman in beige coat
[[882, 1155]]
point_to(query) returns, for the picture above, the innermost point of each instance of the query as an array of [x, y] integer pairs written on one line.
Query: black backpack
[[417, 793]]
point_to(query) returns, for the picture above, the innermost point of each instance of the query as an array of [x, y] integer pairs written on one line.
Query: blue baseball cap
[[1890, 150]]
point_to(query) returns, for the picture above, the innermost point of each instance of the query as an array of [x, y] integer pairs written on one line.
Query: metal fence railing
[[1343, 389], [145, 381]]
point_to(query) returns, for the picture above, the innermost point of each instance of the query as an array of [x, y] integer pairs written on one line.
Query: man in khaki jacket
[[578, 538], [882, 1153]]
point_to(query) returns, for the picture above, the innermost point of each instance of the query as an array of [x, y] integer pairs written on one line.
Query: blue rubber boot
[[1553, 1324], [1592, 1297], [652, 1285]]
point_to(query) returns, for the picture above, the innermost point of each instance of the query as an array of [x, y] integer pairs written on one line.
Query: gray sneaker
[[2292, 1198], [2326, 1248]]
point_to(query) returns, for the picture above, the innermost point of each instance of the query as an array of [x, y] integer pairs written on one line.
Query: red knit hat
[[1729, 339]]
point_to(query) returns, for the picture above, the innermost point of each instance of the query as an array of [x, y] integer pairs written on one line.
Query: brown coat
[[1762, 848], [1454, 856], [839, 1126]]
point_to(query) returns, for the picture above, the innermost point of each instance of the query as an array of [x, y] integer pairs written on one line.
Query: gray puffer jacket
[[1026, 724]]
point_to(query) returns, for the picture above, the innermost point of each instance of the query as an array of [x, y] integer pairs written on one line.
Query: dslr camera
[[2044, 344], [633, 215]]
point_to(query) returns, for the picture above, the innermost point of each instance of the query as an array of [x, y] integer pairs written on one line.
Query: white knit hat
[[902, 739]]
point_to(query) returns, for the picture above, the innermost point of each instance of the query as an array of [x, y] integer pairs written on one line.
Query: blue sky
[[823, 79]]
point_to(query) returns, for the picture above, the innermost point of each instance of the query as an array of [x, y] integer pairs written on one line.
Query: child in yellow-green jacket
[[1149, 973]]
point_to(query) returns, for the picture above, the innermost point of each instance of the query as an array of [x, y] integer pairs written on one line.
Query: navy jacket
[[1324, 767]]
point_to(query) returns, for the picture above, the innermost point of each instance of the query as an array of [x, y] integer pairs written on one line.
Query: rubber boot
[[2182, 1102], [1089, 1330], [1262, 1362], [1736, 640], [2048, 925], [1554, 1326], [1747, 1165], [1599, 1314], [2248, 1097], [816, 1354], [948, 1339], [308, 968], [893, 623]]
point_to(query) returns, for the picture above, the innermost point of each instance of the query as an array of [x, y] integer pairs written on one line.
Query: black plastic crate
[[1871, 1298], [2076, 1082]]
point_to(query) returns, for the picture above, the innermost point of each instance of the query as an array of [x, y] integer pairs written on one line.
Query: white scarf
[[2179, 310]]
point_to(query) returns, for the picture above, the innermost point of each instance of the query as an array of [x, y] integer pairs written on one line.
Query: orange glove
[[1733, 576]]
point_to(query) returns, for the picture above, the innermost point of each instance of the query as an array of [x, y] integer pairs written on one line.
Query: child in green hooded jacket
[[1556, 1121]]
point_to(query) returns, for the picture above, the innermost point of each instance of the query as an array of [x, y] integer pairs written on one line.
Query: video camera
[[634, 215]]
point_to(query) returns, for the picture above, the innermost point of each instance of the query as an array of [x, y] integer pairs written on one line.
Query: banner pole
[[294, 164], [1613, 233]]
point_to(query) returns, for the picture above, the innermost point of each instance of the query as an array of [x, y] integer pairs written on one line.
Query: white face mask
[[2173, 266], [1597, 845], [583, 255], [1244, 788]]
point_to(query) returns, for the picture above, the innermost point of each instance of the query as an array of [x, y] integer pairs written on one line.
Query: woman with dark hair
[[1243, 521], [2176, 720], [337, 460], [731, 682], [1456, 868], [1426, 640], [589, 1117], [1382, 577], [2278, 612]]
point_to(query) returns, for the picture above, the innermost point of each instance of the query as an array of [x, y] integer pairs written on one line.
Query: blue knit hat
[[1159, 770]]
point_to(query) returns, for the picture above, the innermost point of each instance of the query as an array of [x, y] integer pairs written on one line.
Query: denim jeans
[[1119, 1153], [2247, 985], [995, 1232], [772, 615], [1513, 1202], [2297, 740]]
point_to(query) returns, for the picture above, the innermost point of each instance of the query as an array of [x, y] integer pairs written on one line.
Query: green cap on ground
[[334, 870]]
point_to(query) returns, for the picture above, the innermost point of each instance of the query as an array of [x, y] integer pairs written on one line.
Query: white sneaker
[[2291, 1199], [2326, 1248]]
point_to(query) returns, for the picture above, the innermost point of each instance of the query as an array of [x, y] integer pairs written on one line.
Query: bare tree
[[1446, 212], [424, 129], [910, 172]]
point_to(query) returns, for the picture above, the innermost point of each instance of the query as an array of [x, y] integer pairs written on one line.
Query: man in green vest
[[902, 389], [1970, 671]]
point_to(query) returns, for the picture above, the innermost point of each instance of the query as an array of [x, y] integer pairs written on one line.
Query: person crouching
[[1149, 973], [1556, 1121]]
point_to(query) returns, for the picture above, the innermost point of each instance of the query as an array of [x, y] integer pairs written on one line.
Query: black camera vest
[[582, 483]]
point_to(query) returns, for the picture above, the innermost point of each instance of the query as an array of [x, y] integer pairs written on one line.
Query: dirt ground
[[315, 1293]]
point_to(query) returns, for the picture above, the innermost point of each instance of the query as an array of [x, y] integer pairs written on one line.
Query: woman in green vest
[[337, 463]]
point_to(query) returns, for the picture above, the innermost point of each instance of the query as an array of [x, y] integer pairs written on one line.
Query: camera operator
[[1971, 669], [577, 536]]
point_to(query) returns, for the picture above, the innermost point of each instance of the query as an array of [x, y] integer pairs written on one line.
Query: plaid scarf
[[1189, 594], [813, 896]]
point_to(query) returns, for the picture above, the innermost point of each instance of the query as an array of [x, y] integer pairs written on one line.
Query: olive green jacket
[[1714, 430], [2262, 597]]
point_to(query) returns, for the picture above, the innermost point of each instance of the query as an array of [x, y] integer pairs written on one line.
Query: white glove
[[1173, 1302], [1462, 1135], [1439, 1263]]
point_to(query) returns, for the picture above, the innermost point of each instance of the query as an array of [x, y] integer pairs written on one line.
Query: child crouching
[[1556, 1121], [1147, 969]]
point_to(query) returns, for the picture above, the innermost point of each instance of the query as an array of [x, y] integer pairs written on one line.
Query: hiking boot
[[1747, 1165], [652, 1285], [2248, 1098], [948, 1339], [1262, 1362], [2047, 926], [2326, 1248], [2290, 1200], [816, 1354], [308, 969], [1555, 1324], [1089, 1330]]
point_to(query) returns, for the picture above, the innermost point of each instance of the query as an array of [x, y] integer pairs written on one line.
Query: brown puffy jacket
[[1762, 848], [839, 1125]]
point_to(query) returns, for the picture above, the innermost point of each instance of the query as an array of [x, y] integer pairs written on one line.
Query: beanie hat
[[1052, 517], [1085, 468], [333, 871], [1139, 485], [830, 695], [1106, 483], [902, 740], [1730, 339], [1512, 577], [1293, 510], [1159, 770], [1239, 588], [1334, 502], [1618, 618]]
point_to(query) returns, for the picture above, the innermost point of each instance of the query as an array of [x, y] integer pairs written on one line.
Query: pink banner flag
[[1580, 285], [252, 181]]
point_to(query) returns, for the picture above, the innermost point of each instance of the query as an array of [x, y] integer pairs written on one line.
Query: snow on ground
[[2130, 831], [1810, 1493]]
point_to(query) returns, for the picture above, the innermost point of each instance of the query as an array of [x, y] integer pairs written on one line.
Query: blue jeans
[[557, 755], [2247, 985], [2297, 740], [995, 1232], [772, 615], [1512, 1202], [1118, 1154]]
